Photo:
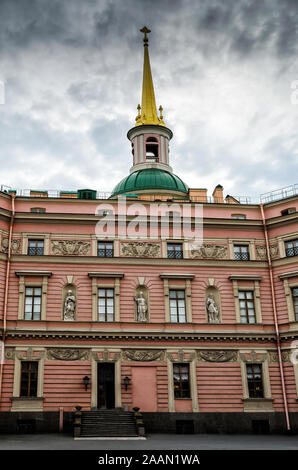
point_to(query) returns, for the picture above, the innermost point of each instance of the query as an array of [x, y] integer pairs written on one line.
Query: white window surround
[[28, 403], [168, 279], [256, 404], [192, 361], [44, 275], [36, 236], [98, 281], [256, 290], [249, 243], [288, 286]]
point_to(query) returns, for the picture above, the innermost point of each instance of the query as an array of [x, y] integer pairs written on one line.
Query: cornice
[[33, 273], [245, 277], [103, 274], [143, 336], [288, 275], [116, 261]]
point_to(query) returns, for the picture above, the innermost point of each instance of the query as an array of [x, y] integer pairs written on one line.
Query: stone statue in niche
[[212, 309], [69, 306], [142, 307]]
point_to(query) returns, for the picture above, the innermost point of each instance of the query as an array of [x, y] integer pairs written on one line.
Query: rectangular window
[[106, 304], [175, 250], [292, 247], [295, 301], [29, 373], [32, 303], [105, 249], [181, 380], [241, 252], [35, 247], [254, 380], [247, 308], [238, 216], [177, 306]]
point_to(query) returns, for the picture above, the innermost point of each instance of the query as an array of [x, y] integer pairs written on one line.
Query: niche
[[141, 300], [213, 308], [69, 302]]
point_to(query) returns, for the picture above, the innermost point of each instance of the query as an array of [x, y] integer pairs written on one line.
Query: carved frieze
[[209, 251], [142, 355], [217, 356], [140, 249], [70, 247], [15, 245], [262, 252], [68, 354]]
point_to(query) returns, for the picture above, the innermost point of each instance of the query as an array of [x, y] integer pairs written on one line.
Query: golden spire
[[147, 114]]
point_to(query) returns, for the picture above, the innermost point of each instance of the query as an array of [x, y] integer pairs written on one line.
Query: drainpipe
[[6, 287], [273, 296]]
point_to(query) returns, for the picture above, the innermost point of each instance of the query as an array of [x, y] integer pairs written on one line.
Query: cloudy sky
[[223, 71]]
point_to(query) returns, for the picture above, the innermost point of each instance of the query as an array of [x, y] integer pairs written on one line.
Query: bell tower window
[[152, 149]]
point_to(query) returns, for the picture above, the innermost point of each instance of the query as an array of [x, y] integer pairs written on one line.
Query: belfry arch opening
[[152, 149]]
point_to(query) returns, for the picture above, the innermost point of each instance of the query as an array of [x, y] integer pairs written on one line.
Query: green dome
[[150, 179]]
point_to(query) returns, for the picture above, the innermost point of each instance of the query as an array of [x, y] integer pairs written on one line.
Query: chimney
[[218, 194]]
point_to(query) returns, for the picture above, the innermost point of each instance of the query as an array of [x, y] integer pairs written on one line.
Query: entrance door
[[106, 385]]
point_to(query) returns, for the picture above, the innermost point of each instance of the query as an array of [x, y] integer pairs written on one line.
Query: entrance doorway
[[106, 385]]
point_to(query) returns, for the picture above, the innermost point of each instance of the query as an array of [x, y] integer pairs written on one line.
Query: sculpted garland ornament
[[217, 356], [146, 250], [143, 356], [210, 251], [15, 246], [68, 354], [70, 247]]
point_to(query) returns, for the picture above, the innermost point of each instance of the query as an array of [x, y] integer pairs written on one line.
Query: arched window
[[152, 149]]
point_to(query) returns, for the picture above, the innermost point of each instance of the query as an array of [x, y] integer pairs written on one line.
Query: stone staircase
[[108, 423]]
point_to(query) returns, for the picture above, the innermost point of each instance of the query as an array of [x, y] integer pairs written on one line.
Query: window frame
[[106, 298], [180, 381], [243, 255], [253, 382], [29, 379], [177, 299], [294, 247], [246, 300], [36, 250], [175, 251], [33, 296], [107, 252]]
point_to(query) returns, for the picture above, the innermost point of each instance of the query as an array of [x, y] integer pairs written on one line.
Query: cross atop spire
[[147, 114], [146, 31]]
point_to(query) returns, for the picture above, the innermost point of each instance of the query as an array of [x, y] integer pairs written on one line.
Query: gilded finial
[[146, 31], [147, 114]]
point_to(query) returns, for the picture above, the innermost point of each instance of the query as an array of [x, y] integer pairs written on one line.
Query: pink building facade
[[199, 335]]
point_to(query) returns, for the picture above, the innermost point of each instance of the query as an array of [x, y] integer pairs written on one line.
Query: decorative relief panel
[[253, 356], [29, 354], [209, 251], [262, 252], [106, 356], [9, 354], [217, 356], [15, 245], [285, 356], [142, 249], [70, 247], [68, 354], [181, 356], [142, 355]]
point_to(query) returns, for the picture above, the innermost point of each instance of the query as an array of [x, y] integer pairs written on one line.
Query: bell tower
[[150, 137]]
